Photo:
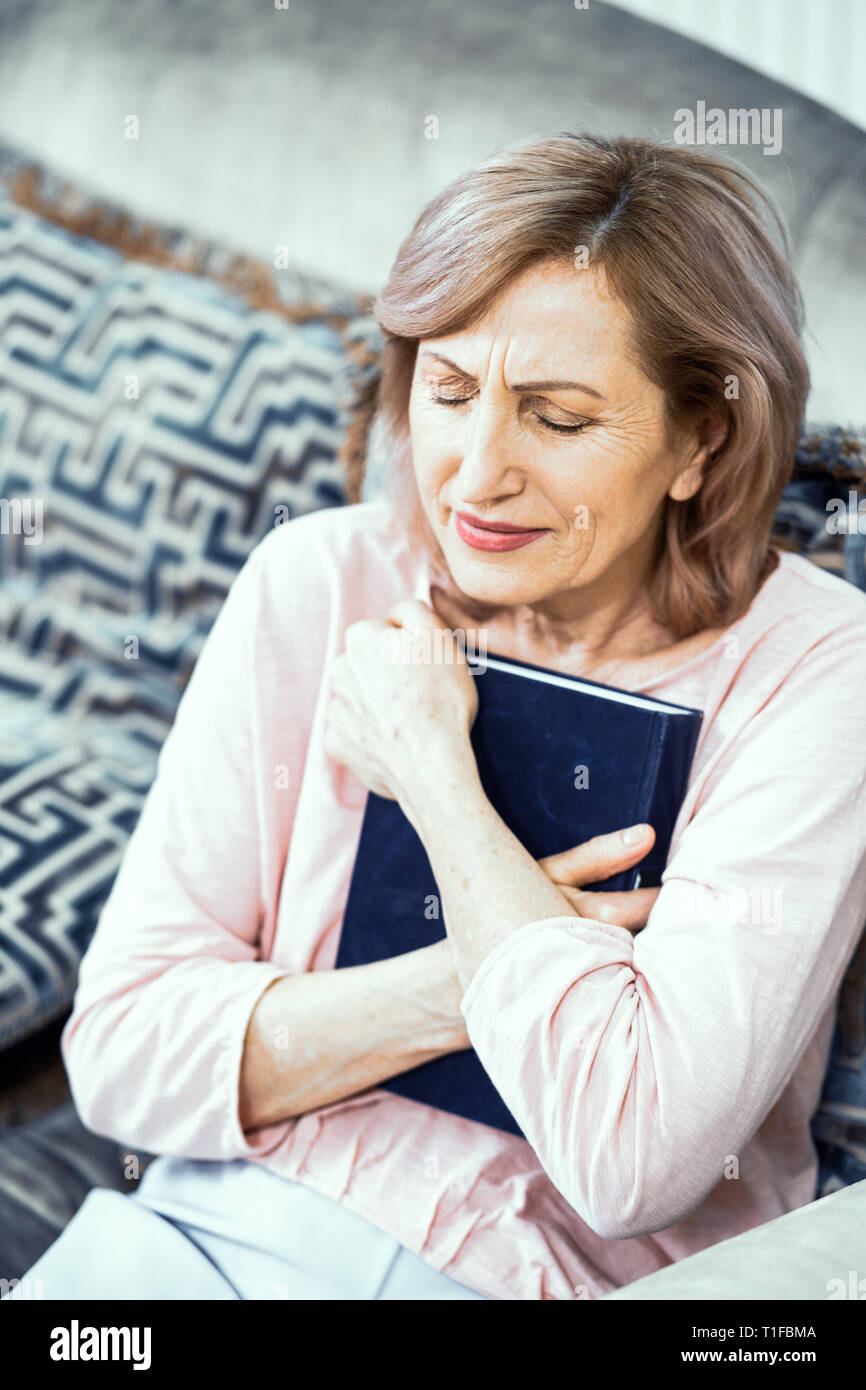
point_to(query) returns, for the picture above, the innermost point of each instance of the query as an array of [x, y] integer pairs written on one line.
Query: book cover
[[561, 760]]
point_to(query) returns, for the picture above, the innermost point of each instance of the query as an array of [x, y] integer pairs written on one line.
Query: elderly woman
[[592, 386]]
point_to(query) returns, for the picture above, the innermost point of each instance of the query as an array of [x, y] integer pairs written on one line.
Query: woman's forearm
[[318, 1037], [490, 885]]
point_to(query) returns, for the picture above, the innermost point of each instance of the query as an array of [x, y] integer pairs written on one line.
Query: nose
[[490, 465]]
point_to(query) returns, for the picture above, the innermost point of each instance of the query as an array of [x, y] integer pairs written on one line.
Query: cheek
[[580, 493], [432, 456], [619, 487]]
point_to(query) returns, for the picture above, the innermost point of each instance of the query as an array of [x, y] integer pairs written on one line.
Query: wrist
[[440, 995], [440, 779]]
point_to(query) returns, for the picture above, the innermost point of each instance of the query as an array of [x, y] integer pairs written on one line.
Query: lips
[[494, 535]]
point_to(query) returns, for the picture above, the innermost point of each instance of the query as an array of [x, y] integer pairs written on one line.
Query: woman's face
[[539, 418]]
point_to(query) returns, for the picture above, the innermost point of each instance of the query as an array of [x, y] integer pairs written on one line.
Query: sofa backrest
[[153, 427]]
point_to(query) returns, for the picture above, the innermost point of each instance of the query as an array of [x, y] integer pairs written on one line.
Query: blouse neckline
[[422, 592]]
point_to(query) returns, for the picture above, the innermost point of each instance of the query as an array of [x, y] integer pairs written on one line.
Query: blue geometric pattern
[[164, 427]]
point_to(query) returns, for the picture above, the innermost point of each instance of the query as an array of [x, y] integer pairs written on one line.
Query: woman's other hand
[[401, 694], [596, 860], [590, 862]]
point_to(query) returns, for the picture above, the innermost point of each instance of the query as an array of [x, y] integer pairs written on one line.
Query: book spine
[[637, 810], [650, 796], [677, 737]]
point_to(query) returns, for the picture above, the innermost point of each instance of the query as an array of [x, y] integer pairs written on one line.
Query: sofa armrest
[[815, 1252]]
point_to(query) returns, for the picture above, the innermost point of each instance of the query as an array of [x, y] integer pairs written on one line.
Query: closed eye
[[542, 419], [561, 429], [449, 400]]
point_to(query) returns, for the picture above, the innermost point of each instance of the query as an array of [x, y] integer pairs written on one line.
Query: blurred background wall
[[315, 130], [816, 48]]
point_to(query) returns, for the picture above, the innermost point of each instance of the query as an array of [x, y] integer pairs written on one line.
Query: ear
[[707, 438]]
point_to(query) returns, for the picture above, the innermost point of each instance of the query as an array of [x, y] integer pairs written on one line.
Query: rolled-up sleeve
[[636, 1064], [168, 984]]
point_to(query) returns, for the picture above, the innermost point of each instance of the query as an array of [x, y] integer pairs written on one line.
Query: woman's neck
[[615, 641]]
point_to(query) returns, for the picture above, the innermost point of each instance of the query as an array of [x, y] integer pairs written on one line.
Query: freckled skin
[[578, 594]]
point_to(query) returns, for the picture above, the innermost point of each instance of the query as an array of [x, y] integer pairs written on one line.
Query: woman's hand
[[403, 702], [596, 860], [590, 862], [402, 696]]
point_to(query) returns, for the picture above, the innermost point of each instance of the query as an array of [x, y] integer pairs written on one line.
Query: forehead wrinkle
[[595, 328]]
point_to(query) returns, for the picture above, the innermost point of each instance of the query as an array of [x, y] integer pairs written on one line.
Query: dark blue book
[[561, 760]]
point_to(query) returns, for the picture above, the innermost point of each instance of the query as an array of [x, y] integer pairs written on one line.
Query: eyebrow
[[524, 385]]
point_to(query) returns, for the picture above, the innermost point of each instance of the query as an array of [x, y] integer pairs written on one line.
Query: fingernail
[[634, 834]]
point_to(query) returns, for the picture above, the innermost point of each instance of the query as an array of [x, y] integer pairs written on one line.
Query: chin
[[497, 581]]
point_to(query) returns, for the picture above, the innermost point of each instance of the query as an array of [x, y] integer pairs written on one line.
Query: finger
[[584, 908], [341, 683], [599, 857], [340, 705], [630, 909], [412, 612], [343, 719]]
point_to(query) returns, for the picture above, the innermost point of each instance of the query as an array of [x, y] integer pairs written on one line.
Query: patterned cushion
[[157, 426], [71, 790], [163, 427], [839, 1124]]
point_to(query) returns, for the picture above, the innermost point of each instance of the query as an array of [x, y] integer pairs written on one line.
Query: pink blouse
[[664, 1082]]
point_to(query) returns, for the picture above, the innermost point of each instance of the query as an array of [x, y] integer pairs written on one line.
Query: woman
[[593, 385]]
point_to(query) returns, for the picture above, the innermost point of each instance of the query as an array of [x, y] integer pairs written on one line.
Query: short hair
[[699, 255]]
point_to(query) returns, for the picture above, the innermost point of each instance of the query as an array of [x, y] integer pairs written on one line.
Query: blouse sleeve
[[635, 1065], [166, 989]]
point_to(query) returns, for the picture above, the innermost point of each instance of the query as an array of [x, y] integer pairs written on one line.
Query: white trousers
[[199, 1229]]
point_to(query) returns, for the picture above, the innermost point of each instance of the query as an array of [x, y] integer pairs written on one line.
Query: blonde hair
[[685, 240]]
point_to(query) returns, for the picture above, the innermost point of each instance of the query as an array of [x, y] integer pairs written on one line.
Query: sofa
[[170, 389]]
